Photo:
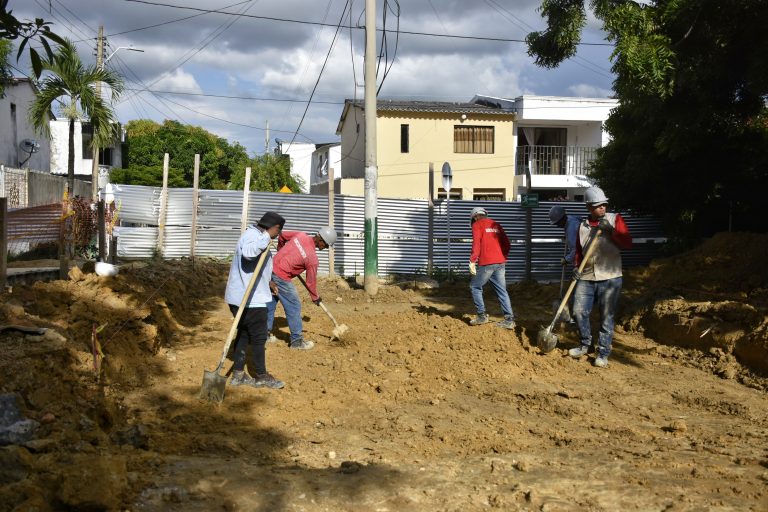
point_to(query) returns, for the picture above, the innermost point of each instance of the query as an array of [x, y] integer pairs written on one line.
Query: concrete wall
[[300, 154], [19, 95], [60, 149]]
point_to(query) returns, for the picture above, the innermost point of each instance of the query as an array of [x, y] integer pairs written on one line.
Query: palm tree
[[69, 82]]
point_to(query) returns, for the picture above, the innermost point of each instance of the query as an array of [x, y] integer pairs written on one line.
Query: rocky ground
[[412, 409]]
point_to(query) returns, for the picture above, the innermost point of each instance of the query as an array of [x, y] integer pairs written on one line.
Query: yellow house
[[477, 141]]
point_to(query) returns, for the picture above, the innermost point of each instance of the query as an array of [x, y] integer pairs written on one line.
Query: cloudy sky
[[258, 61]]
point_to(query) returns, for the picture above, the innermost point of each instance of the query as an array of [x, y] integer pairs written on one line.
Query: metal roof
[[448, 107]]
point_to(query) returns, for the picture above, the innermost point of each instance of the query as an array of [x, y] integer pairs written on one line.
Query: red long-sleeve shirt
[[296, 254], [490, 244]]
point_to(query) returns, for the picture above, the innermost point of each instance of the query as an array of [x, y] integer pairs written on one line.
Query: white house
[[556, 138], [15, 129], [326, 156], [300, 154], [108, 157]]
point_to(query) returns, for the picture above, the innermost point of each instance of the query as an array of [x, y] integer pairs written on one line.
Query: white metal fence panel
[[403, 224]]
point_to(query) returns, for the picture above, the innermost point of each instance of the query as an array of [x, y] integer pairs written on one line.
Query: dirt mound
[[413, 409], [713, 297]]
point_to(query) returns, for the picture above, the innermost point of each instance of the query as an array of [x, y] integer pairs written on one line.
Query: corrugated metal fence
[[403, 229]]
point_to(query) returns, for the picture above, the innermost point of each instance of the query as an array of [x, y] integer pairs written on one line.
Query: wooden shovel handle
[[233, 330], [590, 250]]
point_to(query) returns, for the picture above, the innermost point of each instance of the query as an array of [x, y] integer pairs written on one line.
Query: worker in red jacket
[[601, 278], [490, 247], [296, 253]]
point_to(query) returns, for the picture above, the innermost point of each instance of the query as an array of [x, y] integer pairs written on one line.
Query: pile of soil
[[413, 409]]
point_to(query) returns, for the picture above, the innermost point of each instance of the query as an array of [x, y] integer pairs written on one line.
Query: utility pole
[[371, 276], [100, 66], [266, 139]]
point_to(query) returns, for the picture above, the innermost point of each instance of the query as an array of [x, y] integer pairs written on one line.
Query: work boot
[[302, 344], [601, 361], [241, 379], [272, 339], [507, 323], [265, 380], [579, 351], [480, 319]]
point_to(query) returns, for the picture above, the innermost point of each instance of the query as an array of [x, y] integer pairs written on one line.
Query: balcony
[[554, 160]]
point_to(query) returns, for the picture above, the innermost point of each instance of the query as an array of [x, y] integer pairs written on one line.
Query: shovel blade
[[213, 386], [339, 330], [546, 340]]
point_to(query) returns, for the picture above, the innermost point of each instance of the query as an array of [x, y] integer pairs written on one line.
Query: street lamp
[[129, 48], [447, 178]]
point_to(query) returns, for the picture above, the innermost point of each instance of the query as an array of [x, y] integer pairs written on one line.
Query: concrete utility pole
[[371, 282], [99, 65]]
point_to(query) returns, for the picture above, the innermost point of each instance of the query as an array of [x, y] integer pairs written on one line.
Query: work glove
[[318, 301], [576, 274], [605, 226], [473, 268]]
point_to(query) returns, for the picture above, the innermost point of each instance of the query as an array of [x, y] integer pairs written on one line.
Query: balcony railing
[[556, 160]]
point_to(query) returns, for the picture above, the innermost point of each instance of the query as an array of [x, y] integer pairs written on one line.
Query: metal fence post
[[3, 240]]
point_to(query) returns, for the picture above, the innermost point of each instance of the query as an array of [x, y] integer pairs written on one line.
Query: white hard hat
[[556, 214], [477, 211], [328, 234], [595, 196]]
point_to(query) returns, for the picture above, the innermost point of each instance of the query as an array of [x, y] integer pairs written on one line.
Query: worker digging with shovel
[[600, 279], [296, 253]]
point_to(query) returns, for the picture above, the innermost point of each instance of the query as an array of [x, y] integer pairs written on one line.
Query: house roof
[[443, 107]]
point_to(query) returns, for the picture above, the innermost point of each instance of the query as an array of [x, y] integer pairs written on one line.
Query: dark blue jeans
[[289, 298], [606, 294]]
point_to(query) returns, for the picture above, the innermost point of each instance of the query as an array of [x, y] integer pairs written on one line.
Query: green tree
[[148, 141], [5, 70], [689, 138], [269, 173], [71, 84], [11, 28]]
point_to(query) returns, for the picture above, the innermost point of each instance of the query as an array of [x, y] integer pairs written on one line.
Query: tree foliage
[[689, 138], [69, 86], [222, 165], [39, 30]]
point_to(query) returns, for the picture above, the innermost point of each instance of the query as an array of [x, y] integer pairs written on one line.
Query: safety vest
[[605, 262]]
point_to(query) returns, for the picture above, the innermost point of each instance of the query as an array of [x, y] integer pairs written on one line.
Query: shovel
[[565, 315], [214, 383], [546, 339], [338, 330]]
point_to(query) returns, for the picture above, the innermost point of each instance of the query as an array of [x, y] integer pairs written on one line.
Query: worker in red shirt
[[601, 278], [296, 254], [490, 247]]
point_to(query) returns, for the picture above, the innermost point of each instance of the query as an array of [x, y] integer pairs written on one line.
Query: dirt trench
[[412, 410]]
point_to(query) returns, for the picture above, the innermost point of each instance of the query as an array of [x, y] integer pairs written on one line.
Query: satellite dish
[[29, 146]]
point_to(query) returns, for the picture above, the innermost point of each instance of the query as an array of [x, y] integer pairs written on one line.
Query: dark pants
[[251, 332]]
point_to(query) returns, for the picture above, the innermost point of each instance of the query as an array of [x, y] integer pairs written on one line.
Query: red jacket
[[490, 244], [296, 254]]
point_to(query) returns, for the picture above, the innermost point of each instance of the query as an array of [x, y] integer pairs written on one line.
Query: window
[[404, 128], [473, 139], [455, 193], [105, 157], [489, 194]]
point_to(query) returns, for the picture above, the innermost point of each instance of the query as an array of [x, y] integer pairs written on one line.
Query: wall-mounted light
[[463, 117]]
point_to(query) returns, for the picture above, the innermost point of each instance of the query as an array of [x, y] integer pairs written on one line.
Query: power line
[[302, 22], [226, 96]]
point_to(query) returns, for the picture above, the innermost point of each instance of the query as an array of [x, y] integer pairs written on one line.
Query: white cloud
[[589, 91]]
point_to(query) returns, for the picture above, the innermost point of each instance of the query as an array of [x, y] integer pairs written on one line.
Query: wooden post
[[3, 241], [102, 229], [431, 220], [331, 221], [246, 192], [195, 203], [163, 208], [63, 259]]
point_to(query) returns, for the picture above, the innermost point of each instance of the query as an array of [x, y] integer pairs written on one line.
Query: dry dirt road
[[412, 410]]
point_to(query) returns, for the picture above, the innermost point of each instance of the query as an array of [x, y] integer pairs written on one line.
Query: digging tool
[[546, 339], [214, 383], [338, 329], [565, 315]]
